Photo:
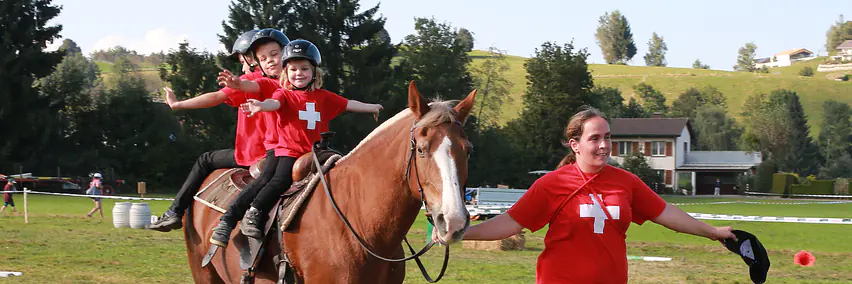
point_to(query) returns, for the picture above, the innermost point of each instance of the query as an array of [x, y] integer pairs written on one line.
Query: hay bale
[[516, 242]]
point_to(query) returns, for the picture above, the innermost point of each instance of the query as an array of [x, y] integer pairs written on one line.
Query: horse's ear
[[416, 103], [464, 107]]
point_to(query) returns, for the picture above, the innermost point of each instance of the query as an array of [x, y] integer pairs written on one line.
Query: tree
[[835, 136], [615, 38], [466, 39], [652, 99], [777, 126], [838, 167], [438, 59], [698, 65], [608, 100], [190, 73], [656, 55], [745, 58], [715, 130], [837, 33], [25, 35], [638, 165], [558, 85], [803, 155], [634, 110], [492, 85], [69, 46], [72, 89], [690, 101]]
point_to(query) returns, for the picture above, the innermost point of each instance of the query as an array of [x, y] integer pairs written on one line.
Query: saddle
[[224, 189]]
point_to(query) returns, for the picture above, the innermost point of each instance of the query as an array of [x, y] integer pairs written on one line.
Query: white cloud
[[155, 40]]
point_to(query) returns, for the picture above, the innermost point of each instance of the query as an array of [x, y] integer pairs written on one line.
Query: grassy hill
[[736, 86]]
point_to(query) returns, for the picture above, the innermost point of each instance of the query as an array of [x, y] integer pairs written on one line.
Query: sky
[[711, 31]]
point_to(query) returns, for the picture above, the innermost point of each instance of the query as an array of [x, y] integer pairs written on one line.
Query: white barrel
[[140, 215], [121, 215]]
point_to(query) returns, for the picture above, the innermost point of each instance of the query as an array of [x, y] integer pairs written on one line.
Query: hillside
[[736, 86]]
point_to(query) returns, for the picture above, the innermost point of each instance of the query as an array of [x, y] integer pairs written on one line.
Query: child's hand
[[251, 107], [376, 109], [171, 99], [226, 79]]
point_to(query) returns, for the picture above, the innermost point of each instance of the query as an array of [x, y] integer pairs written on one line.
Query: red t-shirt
[[7, 196], [302, 116], [252, 139], [581, 246]]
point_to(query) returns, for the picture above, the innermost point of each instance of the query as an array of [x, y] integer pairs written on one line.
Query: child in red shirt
[[304, 111], [253, 137], [7, 196], [588, 206]]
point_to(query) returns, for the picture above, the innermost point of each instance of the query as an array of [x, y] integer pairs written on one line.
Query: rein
[[415, 255]]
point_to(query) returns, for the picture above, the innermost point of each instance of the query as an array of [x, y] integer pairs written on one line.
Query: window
[[625, 148], [661, 174], [658, 148]]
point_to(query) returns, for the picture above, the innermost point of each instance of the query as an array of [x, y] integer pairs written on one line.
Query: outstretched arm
[[677, 220], [497, 228], [226, 79], [206, 100], [254, 106]]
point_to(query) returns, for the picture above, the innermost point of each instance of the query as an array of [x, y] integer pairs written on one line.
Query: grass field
[[62, 245], [736, 86]]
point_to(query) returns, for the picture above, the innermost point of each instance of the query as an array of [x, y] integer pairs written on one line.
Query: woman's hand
[[721, 234]]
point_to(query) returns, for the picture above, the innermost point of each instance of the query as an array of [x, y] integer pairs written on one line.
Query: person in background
[[96, 188], [7, 195]]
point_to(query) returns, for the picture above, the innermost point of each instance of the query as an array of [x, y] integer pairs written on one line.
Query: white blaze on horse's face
[[453, 218]]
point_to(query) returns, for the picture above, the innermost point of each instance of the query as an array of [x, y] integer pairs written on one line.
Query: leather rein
[[415, 255]]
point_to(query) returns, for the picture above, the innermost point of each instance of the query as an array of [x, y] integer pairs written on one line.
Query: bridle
[[415, 255]]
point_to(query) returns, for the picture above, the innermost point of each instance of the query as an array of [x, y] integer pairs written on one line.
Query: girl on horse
[[304, 111], [588, 206], [262, 47]]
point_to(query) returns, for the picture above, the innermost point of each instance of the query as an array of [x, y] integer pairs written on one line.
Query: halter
[[415, 255]]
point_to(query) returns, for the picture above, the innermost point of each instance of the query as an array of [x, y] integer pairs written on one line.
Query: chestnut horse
[[374, 191]]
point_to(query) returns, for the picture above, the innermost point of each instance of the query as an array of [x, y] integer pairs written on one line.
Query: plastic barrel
[[121, 215], [140, 215]]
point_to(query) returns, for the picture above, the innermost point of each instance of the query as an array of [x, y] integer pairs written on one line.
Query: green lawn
[[736, 86], [61, 245]]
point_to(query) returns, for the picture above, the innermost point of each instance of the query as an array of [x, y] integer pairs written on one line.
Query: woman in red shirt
[[588, 206]]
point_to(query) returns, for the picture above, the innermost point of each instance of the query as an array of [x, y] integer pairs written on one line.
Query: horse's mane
[[439, 112]]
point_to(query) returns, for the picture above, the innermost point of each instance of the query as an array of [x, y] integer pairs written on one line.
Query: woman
[[96, 188], [588, 206]]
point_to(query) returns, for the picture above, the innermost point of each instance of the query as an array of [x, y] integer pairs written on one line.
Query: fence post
[[26, 212]]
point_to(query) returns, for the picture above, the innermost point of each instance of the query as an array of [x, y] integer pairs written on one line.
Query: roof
[[762, 60], [794, 51], [847, 44], [649, 127], [721, 160]]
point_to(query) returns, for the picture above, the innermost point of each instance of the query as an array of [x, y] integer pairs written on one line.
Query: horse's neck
[[374, 179]]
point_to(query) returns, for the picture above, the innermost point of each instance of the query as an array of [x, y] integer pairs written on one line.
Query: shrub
[[807, 71]]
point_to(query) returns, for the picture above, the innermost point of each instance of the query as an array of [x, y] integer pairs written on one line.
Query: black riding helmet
[[242, 44], [264, 36], [303, 49]]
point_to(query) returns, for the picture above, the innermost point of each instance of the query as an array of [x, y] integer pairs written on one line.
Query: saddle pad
[[224, 189]]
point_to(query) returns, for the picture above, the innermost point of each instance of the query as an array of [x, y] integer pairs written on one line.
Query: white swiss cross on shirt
[[310, 115], [595, 210]]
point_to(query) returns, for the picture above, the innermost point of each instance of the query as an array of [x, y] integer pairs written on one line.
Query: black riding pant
[[204, 165], [273, 175]]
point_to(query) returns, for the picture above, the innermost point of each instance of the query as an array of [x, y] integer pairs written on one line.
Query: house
[[785, 58], [666, 143], [845, 51]]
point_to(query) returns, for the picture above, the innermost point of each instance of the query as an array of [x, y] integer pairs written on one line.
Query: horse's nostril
[[440, 218]]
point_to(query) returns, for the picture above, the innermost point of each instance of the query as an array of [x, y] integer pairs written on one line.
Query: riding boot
[[222, 233], [169, 221], [252, 225]]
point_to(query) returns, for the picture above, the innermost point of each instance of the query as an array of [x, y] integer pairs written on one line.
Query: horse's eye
[[420, 152]]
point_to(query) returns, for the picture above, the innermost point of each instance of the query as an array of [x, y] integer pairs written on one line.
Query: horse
[[417, 157]]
